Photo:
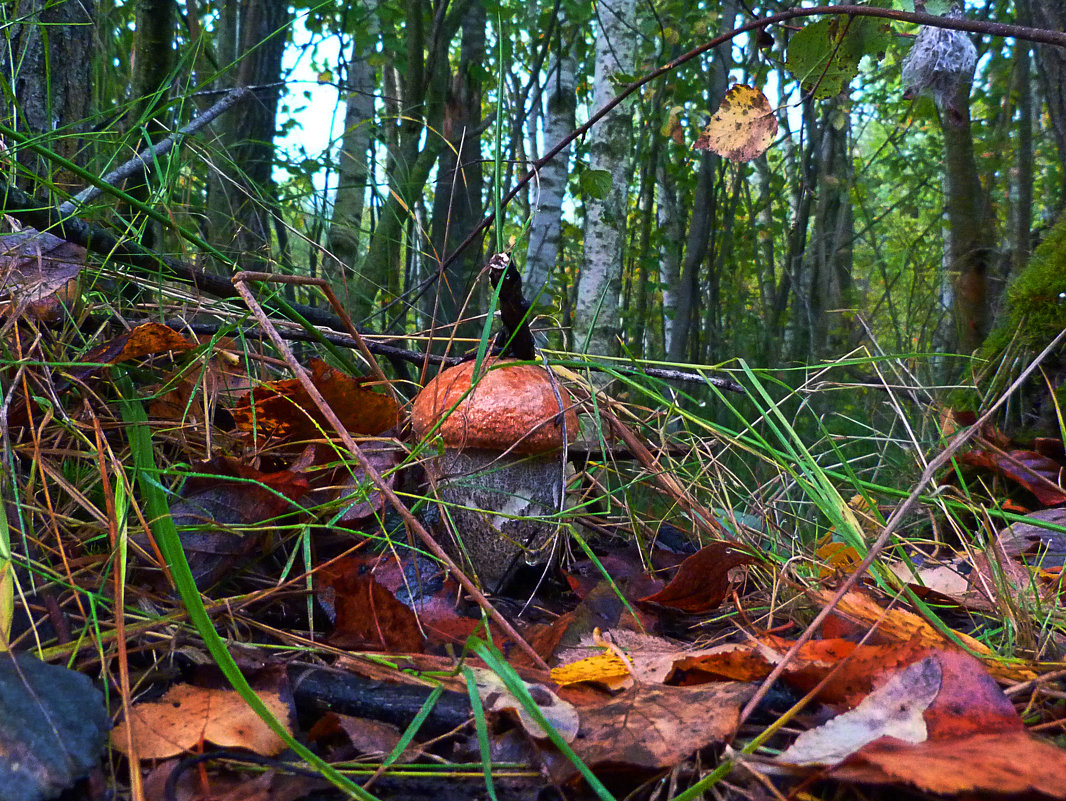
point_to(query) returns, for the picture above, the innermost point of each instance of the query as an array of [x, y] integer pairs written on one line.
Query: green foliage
[[825, 55]]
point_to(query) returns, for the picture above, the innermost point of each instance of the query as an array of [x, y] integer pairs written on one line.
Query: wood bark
[[241, 191], [46, 61], [596, 323]]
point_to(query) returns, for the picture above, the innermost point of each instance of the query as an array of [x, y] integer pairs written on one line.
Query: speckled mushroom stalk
[[501, 474]]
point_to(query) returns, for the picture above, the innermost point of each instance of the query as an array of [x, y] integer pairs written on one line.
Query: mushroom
[[501, 471]]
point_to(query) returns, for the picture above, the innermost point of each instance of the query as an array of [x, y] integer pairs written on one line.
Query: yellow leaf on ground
[[607, 669]]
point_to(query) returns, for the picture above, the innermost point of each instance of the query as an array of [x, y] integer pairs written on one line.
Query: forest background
[[870, 223]]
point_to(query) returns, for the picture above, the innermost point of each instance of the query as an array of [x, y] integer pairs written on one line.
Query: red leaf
[[702, 581]]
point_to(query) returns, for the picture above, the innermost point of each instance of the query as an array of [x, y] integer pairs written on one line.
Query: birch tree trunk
[[545, 230], [596, 323]]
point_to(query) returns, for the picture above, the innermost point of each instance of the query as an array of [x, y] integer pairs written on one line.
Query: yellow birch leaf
[[742, 128]]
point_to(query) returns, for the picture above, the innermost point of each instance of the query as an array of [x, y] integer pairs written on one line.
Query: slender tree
[[241, 197], [596, 321]]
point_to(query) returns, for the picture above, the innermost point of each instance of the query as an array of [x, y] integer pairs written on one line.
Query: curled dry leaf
[[894, 709], [497, 698], [702, 581], [187, 716], [743, 127], [284, 410]]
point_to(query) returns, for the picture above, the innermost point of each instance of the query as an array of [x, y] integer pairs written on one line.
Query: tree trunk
[[241, 188], [1051, 71], [458, 204], [969, 240], [46, 61], [1021, 206], [596, 321], [353, 175], [542, 252], [153, 60]]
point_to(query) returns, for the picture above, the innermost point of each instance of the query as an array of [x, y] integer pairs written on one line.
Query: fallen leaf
[[495, 697], [893, 710], [742, 128], [1006, 764], [702, 582], [39, 273], [370, 617], [186, 716], [652, 727], [903, 626], [225, 498], [144, 340], [1039, 474], [283, 409]]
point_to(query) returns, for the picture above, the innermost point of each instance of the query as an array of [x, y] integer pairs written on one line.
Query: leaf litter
[[655, 654]]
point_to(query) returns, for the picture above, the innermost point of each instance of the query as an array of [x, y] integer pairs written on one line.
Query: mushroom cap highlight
[[513, 407]]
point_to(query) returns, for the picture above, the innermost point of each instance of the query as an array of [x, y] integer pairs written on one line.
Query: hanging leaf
[[825, 55], [742, 128], [596, 183]]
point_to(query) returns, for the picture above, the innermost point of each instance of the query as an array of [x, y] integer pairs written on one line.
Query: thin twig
[[145, 159], [409, 519]]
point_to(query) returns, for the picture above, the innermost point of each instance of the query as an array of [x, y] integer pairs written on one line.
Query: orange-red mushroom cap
[[512, 405]]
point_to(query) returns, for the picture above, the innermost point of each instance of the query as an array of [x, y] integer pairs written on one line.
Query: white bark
[[596, 323], [544, 233]]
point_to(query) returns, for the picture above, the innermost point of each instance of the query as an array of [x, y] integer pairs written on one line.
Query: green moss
[[1036, 298]]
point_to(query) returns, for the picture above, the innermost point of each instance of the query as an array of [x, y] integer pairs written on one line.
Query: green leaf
[[596, 183], [825, 55]]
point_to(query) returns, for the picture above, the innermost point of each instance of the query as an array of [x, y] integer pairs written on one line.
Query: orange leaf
[[187, 715], [284, 409]]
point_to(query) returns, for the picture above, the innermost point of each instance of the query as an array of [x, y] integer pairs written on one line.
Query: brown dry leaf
[[369, 737], [1008, 764], [188, 715], [38, 273], [655, 727], [144, 340], [225, 498], [904, 626], [743, 127], [368, 616], [284, 410], [894, 709], [702, 582], [229, 786]]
